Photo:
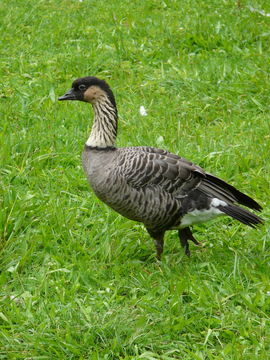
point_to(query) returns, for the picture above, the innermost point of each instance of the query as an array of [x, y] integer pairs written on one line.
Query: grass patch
[[77, 280]]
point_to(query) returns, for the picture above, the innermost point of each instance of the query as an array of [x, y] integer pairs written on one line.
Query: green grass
[[77, 280]]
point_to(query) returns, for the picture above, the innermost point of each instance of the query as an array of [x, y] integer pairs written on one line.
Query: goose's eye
[[82, 87]]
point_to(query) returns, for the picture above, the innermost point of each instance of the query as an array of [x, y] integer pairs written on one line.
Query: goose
[[149, 185]]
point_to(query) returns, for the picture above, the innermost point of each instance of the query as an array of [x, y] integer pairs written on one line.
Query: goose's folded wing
[[146, 167]]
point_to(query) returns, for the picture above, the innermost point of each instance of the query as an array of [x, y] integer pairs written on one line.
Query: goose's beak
[[69, 95]]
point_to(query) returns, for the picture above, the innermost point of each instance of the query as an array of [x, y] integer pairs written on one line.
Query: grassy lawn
[[78, 281]]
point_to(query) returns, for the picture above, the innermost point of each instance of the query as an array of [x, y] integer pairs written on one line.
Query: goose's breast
[[98, 169]]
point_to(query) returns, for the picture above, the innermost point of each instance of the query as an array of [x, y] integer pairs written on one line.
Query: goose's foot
[[185, 235], [158, 237]]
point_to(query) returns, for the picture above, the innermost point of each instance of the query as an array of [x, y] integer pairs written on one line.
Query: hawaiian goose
[[149, 185]]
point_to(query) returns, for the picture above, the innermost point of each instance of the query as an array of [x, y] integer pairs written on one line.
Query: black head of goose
[[150, 185]]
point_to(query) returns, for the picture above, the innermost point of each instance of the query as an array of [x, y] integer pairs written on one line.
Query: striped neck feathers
[[104, 129]]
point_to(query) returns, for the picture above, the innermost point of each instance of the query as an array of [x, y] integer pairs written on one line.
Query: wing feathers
[[147, 166]]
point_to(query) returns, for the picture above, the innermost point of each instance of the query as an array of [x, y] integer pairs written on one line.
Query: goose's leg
[[158, 237], [185, 235]]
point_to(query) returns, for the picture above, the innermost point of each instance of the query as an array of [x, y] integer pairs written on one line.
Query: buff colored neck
[[104, 131]]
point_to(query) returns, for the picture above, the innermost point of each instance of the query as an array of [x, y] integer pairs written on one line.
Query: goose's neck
[[104, 129]]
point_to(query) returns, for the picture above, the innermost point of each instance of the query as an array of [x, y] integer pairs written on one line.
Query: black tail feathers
[[228, 189], [240, 214]]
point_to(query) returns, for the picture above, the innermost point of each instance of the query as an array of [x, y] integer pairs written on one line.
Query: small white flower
[[160, 140], [143, 111]]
